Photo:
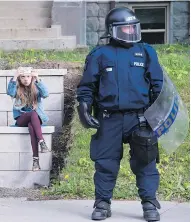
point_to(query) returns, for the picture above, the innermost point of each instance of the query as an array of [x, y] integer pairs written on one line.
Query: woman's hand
[[35, 75], [17, 74]]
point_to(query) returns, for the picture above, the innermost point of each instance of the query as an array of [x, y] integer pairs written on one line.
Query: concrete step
[[25, 12], [25, 23], [23, 179], [24, 4], [36, 33], [24, 161], [20, 139], [23, 130], [16, 158], [55, 119], [65, 42], [41, 72]]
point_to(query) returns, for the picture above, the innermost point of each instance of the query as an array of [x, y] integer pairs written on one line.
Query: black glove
[[86, 119], [153, 96]]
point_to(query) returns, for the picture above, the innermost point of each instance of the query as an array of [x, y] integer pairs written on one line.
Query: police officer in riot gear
[[121, 80]]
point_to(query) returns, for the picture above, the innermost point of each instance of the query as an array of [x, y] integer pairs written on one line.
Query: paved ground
[[20, 210]]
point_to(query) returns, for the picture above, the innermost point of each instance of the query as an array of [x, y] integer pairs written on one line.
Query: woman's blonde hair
[[27, 95]]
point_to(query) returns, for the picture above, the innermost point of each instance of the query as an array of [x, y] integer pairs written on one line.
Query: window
[[154, 25]]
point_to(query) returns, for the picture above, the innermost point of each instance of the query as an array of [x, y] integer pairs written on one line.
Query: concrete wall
[[53, 105], [72, 18], [16, 152], [16, 158], [179, 19], [27, 24]]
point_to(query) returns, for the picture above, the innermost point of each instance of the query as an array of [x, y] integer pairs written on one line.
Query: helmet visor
[[127, 33]]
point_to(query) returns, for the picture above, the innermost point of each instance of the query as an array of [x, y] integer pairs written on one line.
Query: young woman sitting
[[28, 90]]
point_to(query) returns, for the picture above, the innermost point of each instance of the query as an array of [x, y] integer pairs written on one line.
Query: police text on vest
[[141, 64]]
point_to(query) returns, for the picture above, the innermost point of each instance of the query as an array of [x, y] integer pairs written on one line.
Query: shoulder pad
[[147, 46], [94, 50], [150, 51]]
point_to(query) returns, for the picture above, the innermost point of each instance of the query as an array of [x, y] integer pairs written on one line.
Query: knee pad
[[108, 166], [144, 145]]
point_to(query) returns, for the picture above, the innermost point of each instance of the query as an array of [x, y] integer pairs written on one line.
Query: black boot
[[102, 211], [150, 212]]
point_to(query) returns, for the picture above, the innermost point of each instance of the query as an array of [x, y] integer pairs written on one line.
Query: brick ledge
[[23, 130]]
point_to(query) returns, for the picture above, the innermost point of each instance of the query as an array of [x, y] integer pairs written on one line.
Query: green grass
[[34, 56], [77, 177]]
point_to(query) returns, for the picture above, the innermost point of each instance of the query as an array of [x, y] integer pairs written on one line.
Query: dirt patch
[[46, 65], [62, 142]]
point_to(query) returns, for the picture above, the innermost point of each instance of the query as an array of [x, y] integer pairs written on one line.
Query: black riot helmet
[[122, 25]]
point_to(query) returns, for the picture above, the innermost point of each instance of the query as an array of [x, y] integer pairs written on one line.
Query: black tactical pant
[[106, 150]]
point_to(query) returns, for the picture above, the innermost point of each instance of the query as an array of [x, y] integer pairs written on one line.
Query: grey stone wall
[[95, 25], [181, 21], [96, 12]]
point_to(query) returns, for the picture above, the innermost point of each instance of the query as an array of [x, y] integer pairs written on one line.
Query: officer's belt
[[142, 110]]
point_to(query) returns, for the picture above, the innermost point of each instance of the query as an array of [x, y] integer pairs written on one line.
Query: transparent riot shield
[[168, 116]]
